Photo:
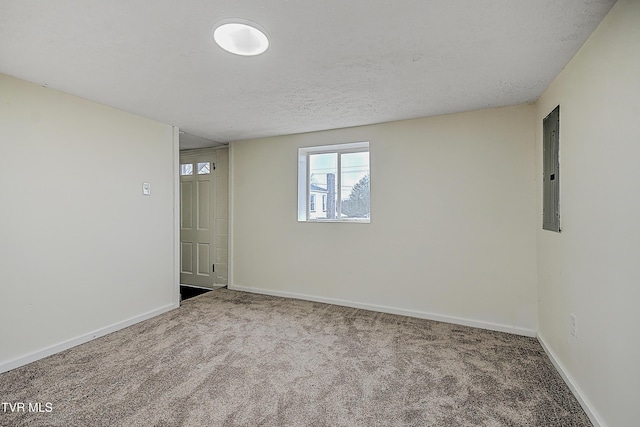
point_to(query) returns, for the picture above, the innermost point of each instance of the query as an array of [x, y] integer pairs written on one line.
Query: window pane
[[354, 185], [204, 168], [323, 169], [330, 175], [186, 169]]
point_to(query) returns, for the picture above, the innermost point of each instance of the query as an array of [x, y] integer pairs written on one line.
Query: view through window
[[339, 175]]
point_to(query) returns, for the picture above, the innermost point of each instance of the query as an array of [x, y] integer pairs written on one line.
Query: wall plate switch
[[146, 189]]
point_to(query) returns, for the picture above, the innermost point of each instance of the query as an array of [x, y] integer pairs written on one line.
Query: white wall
[[81, 250], [452, 232], [592, 268]]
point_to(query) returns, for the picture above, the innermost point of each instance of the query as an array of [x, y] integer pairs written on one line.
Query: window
[[204, 168], [340, 175], [186, 169]]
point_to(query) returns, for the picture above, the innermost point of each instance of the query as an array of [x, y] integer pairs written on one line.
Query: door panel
[[204, 205], [186, 258], [186, 205], [204, 267]]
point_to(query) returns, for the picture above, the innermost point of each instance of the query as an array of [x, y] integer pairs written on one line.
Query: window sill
[[347, 220]]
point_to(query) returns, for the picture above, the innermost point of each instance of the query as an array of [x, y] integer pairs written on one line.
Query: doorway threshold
[[189, 291]]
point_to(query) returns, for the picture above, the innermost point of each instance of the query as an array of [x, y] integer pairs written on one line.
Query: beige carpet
[[229, 358]]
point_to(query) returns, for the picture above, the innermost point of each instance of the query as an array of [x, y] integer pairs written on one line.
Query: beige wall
[[81, 250], [452, 232], [591, 269]]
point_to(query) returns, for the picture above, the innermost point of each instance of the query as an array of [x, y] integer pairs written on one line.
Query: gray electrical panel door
[[551, 169]]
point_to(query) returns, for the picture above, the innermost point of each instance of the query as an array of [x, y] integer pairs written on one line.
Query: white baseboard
[[596, 420], [392, 310], [40, 354]]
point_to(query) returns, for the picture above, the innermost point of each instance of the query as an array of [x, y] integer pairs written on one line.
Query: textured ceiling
[[331, 63]]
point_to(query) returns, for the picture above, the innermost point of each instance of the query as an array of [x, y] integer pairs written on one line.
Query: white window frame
[[303, 179]]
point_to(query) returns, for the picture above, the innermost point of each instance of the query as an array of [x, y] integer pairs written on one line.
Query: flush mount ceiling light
[[241, 37]]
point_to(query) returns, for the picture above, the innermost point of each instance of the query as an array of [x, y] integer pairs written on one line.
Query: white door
[[197, 209]]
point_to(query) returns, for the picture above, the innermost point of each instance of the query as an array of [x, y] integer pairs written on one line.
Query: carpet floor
[[230, 358]]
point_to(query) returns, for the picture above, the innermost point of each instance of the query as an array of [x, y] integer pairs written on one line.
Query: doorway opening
[[204, 220]]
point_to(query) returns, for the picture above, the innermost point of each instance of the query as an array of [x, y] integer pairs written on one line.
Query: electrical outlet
[[573, 326]]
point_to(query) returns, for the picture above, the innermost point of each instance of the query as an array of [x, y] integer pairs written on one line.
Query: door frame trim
[[191, 155], [176, 216]]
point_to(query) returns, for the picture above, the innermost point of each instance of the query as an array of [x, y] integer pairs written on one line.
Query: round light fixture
[[240, 37]]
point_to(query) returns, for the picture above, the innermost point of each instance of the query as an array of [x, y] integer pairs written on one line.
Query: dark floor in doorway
[[187, 292]]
